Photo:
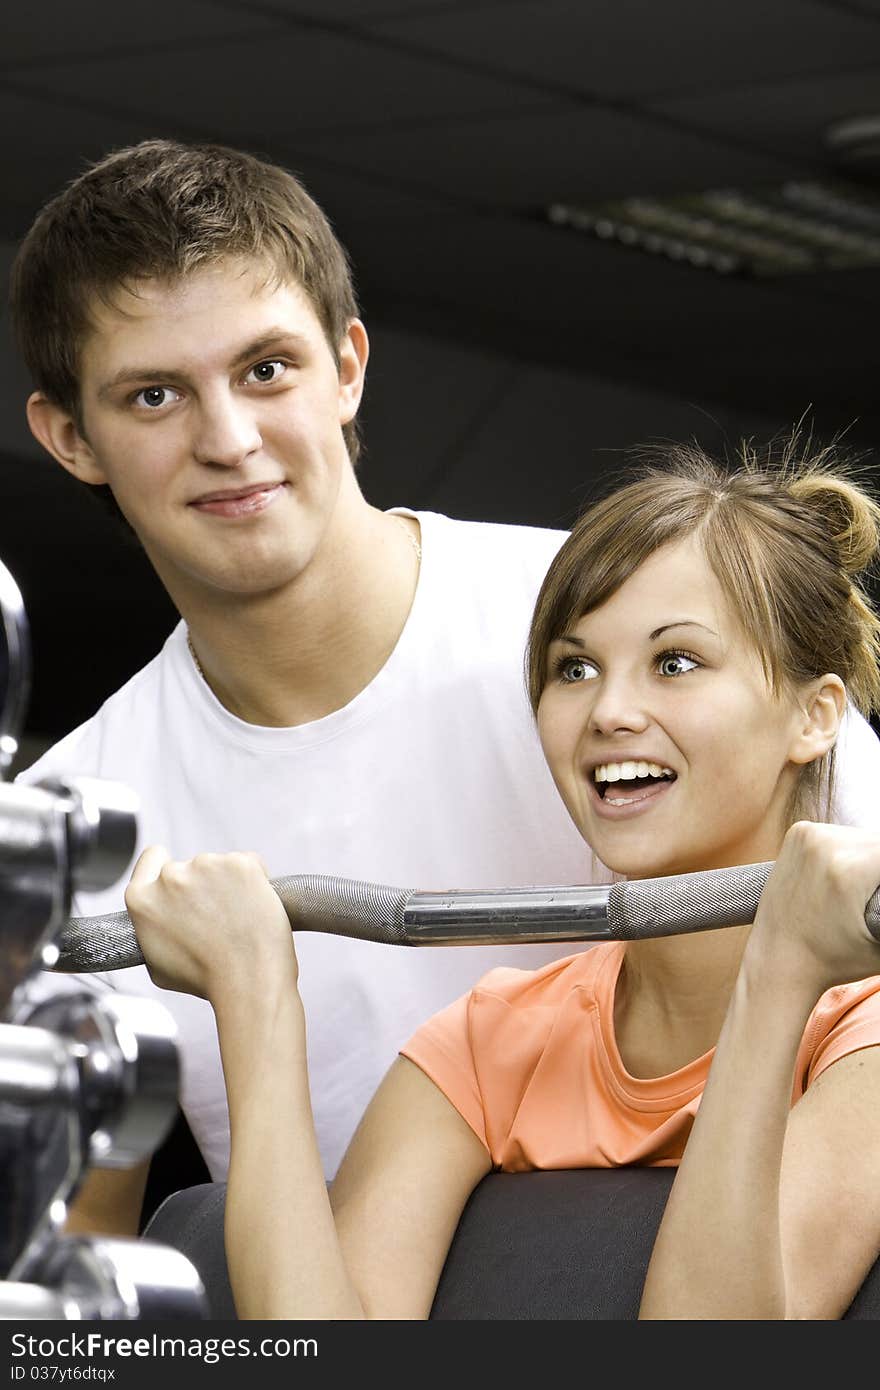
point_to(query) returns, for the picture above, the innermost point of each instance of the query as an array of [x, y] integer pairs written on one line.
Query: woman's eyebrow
[[574, 641], [680, 622]]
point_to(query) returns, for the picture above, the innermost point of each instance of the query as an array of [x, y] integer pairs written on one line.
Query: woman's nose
[[618, 707]]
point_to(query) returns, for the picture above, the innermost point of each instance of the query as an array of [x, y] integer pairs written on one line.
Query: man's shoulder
[[511, 543], [119, 720], [516, 535]]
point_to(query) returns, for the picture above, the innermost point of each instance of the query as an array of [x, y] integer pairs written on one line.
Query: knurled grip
[[313, 902], [345, 907], [105, 942], [697, 902]]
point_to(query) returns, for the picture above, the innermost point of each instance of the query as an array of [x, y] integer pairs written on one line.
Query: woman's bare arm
[[215, 927], [762, 1191], [378, 1250], [400, 1191]]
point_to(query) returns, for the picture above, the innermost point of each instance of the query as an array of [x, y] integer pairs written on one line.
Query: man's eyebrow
[[275, 338]]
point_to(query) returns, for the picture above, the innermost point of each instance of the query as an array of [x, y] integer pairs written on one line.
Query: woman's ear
[[820, 714], [56, 429]]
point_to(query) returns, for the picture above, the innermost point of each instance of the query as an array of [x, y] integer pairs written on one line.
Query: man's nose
[[226, 431]]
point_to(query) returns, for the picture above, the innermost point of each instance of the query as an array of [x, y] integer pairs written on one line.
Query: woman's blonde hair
[[789, 532]]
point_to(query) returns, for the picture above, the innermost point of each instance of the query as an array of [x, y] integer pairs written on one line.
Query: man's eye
[[153, 397], [266, 372], [676, 664], [574, 668]]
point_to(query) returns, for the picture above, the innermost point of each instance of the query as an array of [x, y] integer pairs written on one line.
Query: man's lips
[[240, 501]]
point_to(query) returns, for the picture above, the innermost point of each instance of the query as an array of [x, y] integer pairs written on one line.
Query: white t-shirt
[[432, 778]]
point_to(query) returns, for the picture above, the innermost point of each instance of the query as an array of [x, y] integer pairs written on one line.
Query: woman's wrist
[[262, 1037], [778, 980], [255, 987]]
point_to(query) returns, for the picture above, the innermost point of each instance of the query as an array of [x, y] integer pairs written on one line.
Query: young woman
[[690, 659]]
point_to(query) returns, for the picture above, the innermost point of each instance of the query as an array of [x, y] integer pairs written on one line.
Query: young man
[[344, 692]]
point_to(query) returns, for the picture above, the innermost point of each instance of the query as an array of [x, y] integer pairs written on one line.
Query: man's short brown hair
[[158, 210]]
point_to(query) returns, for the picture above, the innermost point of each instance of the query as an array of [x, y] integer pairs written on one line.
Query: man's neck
[[296, 655]]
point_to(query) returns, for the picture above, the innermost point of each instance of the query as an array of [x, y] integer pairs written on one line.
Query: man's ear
[[353, 353], [56, 429], [821, 711]]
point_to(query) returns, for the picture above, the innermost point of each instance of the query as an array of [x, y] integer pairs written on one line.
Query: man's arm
[[857, 773], [109, 1202]]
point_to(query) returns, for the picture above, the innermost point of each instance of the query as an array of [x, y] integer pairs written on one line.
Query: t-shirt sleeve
[[854, 1019], [857, 773], [442, 1049]]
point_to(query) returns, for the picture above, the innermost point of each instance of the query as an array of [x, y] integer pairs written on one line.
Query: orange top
[[530, 1060]]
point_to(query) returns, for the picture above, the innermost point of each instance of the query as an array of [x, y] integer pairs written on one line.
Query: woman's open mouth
[[625, 787]]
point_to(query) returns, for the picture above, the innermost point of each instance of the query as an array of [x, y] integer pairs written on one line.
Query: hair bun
[[851, 516]]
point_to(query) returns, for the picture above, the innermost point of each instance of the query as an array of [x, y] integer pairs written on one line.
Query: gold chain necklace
[[410, 537], [192, 652]]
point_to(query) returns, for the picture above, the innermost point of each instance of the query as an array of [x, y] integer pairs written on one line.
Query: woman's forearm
[[282, 1248], [718, 1253]]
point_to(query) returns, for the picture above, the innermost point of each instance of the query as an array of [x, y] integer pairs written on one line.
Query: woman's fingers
[[208, 923], [813, 907]]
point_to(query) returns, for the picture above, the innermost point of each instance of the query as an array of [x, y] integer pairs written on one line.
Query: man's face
[[213, 408]]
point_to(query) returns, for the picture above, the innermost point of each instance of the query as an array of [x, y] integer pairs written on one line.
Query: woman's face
[[663, 738]]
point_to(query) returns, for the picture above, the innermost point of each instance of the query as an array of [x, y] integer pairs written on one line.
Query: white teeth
[[625, 772]]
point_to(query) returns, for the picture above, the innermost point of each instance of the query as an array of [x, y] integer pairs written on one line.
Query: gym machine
[[87, 1077]]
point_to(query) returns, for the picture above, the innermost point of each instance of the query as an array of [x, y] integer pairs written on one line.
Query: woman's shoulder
[[845, 1019], [845, 1004], [592, 968]]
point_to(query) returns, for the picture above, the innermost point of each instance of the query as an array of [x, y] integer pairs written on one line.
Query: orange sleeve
[[850, 1028], [442, 1049]]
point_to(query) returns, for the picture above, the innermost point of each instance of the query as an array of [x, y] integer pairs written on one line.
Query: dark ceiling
[[435, 134]]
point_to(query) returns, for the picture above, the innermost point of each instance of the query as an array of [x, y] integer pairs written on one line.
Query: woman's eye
[[264, 373], [575, 668], [154, 397], [676, 664]]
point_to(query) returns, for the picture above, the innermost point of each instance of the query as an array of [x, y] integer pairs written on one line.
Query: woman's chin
[[648, 863], [639, 868]]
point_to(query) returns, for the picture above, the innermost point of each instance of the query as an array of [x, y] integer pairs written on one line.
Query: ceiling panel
[[787, 116], [627, 48], [48, 32], [355, 12], [548, 294], [275, 87], [522, 158]]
